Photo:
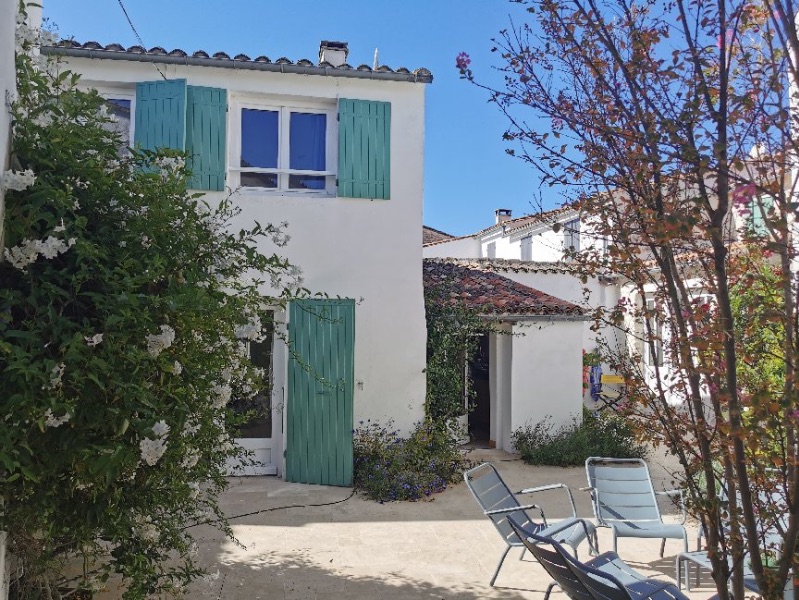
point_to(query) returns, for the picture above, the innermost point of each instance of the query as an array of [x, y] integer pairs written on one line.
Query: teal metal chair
[[625, 501], [605, 577], [498, 503]]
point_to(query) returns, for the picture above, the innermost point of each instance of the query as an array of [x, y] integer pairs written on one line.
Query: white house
[[337, 152], [534, 251], [528, 364]]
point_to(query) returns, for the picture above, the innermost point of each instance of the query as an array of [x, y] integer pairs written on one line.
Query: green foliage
[[608, 434], [592, 359], [389, 467], [756, 303], [126, 306], [452, 339]]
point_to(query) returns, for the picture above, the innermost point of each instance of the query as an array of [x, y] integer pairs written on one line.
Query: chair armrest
[[510, 509], [552, 486]]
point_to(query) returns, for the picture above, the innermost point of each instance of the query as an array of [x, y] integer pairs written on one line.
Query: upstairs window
[[120, 111], [527, 247], [653, 355], [286, 149], [571, 235]]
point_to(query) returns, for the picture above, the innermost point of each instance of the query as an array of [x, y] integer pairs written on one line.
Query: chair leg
[[615, 542], [593, 544], [662, 547], [499, 566], [523, 551], [549, 590]]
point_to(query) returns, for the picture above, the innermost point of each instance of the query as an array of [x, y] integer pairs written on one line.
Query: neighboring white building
[[337, 152], [532, 250], [529, 365]]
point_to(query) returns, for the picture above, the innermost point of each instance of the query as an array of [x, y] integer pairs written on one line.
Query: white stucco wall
[[370, 251], [468, 247], [547, 373]]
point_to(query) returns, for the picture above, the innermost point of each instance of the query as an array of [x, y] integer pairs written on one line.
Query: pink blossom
[[462, 61], [728, 37], [742, 195]]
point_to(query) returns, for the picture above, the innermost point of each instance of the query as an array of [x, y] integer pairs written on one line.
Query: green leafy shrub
[[389, 467], [126, 307], [605, 435]]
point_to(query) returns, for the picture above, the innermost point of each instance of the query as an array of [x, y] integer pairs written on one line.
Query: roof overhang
[[418, 76]]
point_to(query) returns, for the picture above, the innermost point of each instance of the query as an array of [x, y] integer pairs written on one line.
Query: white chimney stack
[[334, 53], [33, 9], [502, 215]]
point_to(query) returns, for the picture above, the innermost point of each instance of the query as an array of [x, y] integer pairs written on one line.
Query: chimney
[[502, 215], [334, 53], [33, 9]]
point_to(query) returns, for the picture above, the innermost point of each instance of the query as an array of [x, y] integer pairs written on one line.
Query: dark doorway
[[480, 415]]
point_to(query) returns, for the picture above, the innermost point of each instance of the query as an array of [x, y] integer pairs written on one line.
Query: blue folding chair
[[498, 503]]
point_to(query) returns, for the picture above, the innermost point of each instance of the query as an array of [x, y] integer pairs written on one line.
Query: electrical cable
[[136, 33], [266, 510], [241, 516]]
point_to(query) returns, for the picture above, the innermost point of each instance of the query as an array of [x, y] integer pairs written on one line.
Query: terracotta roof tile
[[490, 294], [511, 225], [515, 265], [434, 235]]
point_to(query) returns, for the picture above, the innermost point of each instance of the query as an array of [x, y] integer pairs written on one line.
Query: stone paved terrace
[[359, 549]]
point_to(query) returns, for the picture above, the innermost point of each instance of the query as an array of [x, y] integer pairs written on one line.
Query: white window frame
[[284, 107], [110, 92]]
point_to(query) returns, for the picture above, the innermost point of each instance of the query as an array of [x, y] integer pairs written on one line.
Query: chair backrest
[[622, 490], [492, 493], [577, 580]]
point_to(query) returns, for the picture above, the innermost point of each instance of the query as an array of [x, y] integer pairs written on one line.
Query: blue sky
[[467, 172]]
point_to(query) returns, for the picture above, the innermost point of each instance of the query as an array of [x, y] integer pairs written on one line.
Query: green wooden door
[[320, 387]]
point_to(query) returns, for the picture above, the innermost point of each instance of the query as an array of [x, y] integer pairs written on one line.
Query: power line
[[136, 33]]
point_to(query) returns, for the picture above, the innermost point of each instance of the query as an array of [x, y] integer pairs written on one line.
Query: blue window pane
[[307, 142], [259, 137]]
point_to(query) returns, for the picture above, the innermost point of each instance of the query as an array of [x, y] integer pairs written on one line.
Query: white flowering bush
[[125, 308]]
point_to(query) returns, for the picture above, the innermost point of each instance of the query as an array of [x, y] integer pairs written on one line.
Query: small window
[[286, 149], [119, 109], [653, 353], [491, 250], [527, 247], [571, 235]]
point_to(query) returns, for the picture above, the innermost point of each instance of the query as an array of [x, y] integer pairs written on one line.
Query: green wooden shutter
[[161, 114], [206, 133], [320, 392], [364, 149], [760, 208]]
